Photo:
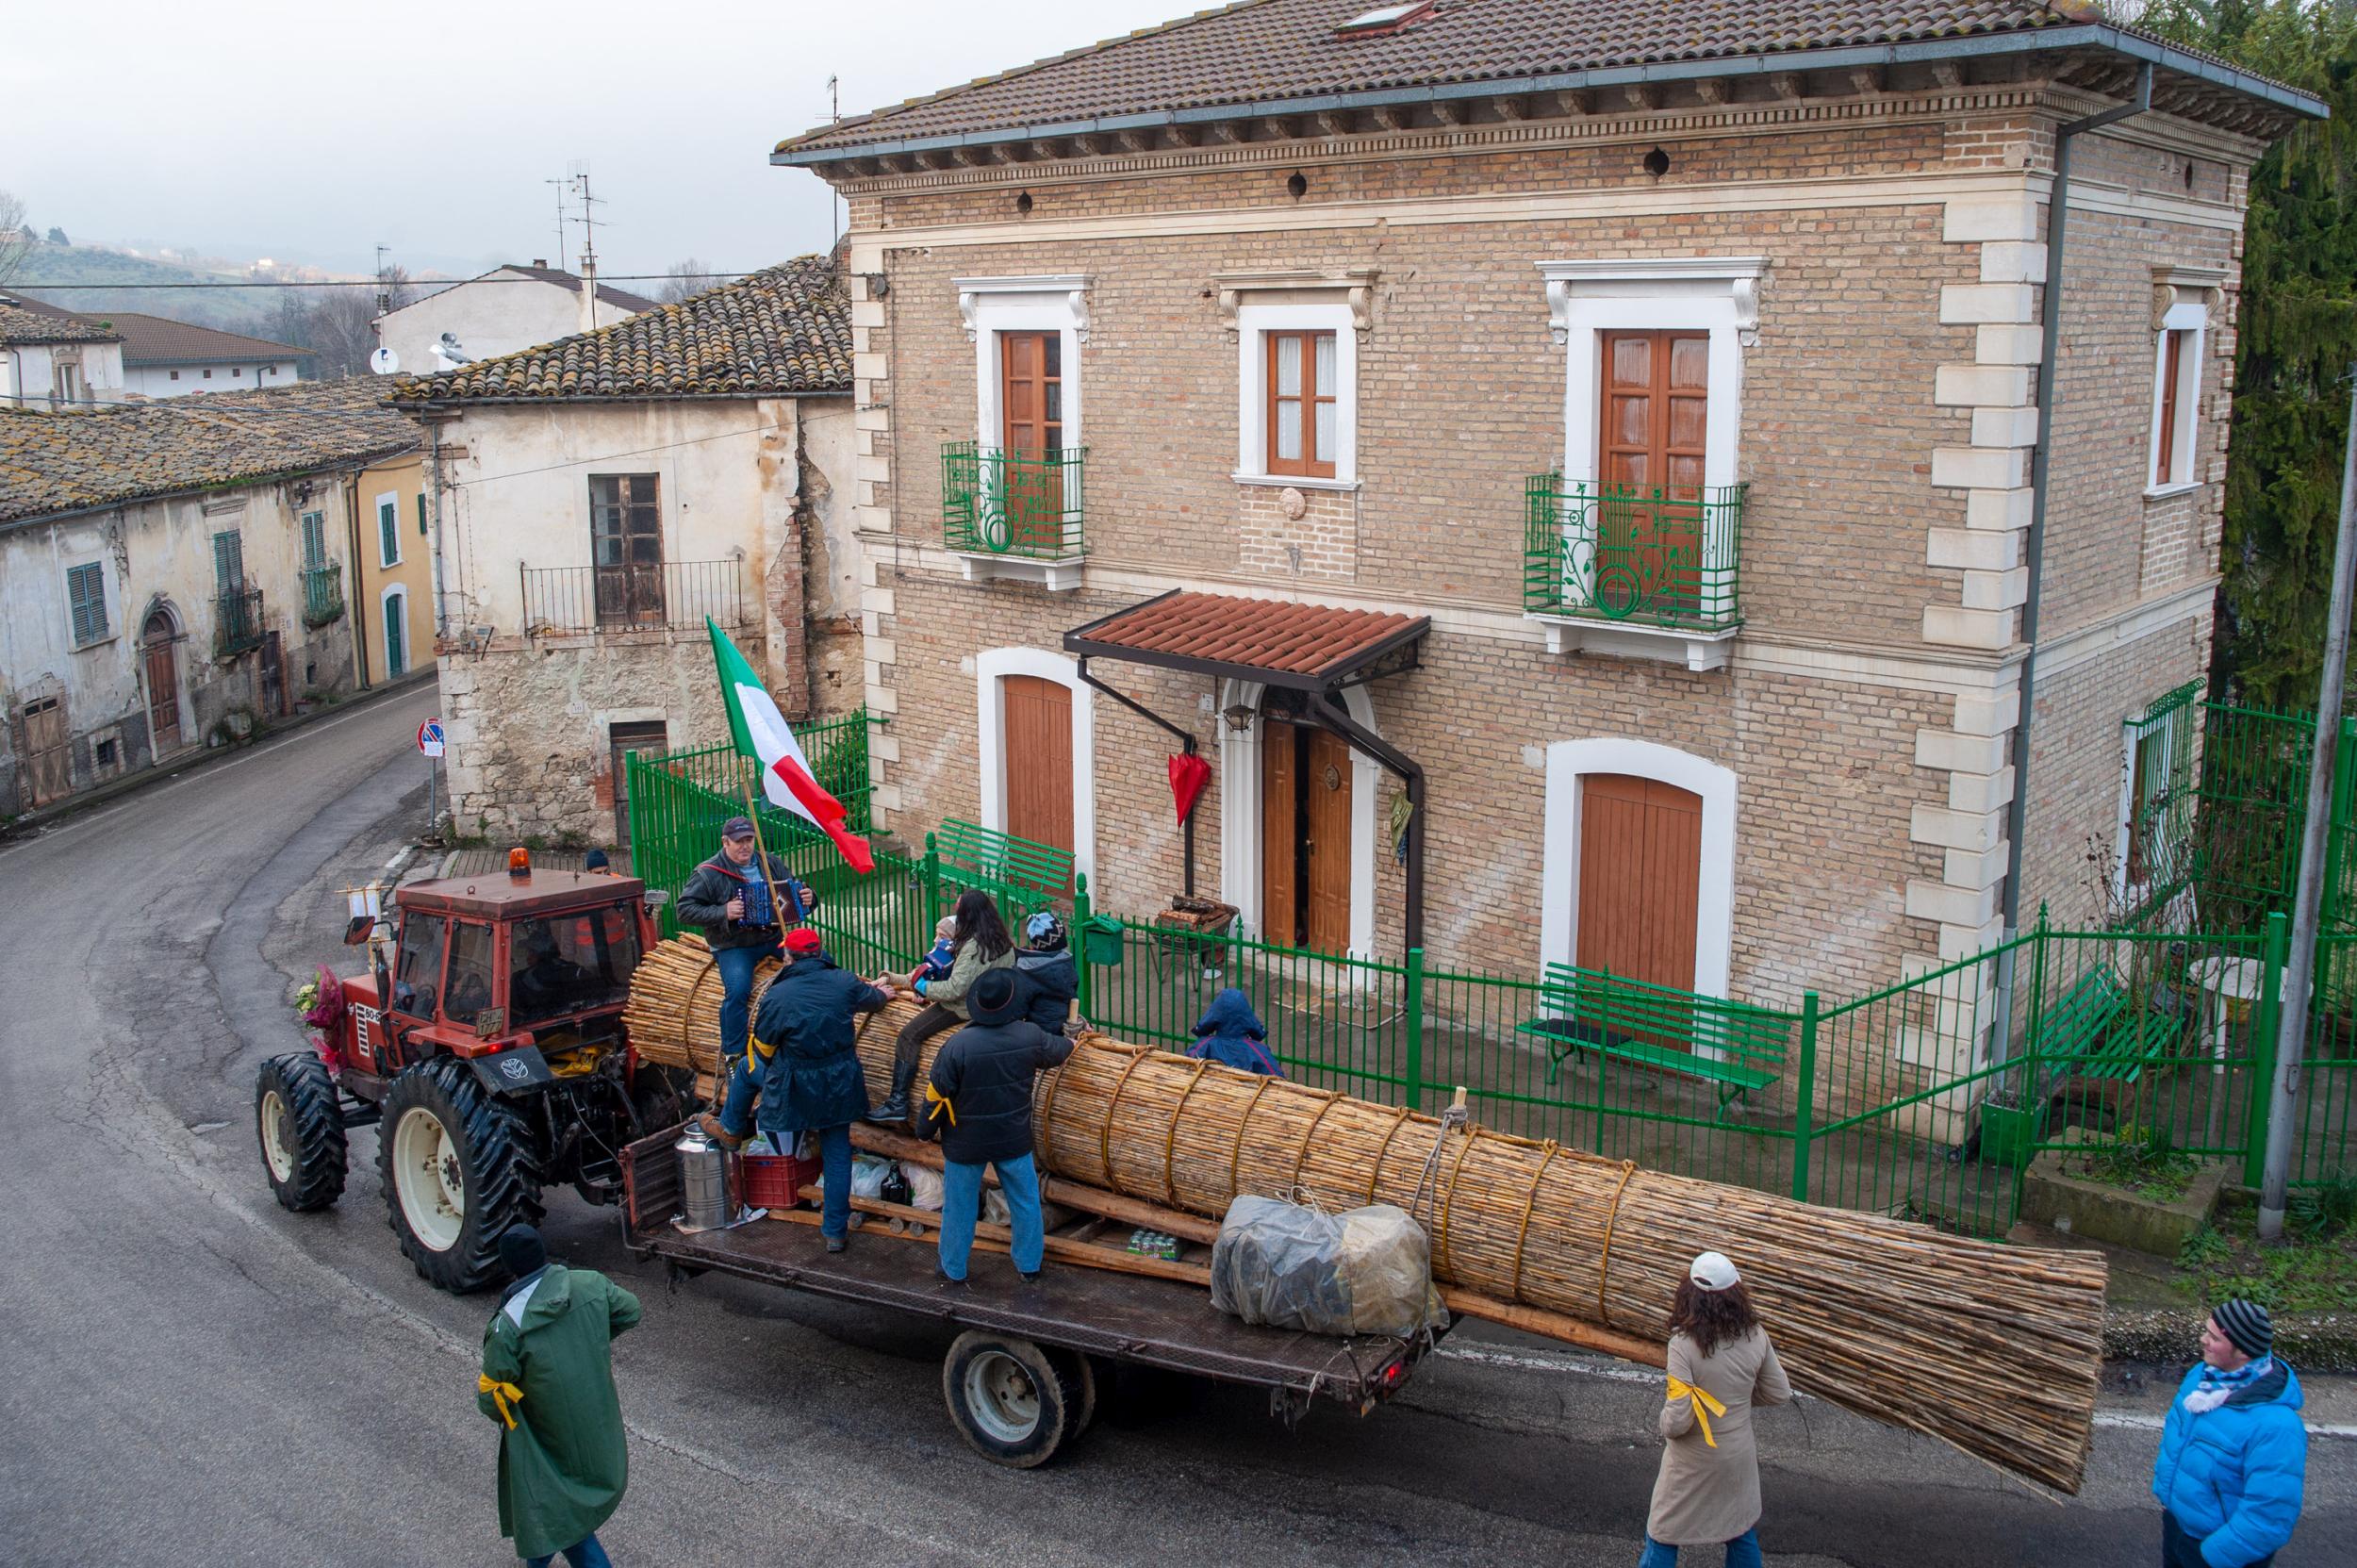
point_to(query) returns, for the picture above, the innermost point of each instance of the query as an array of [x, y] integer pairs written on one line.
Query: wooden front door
[[626, 545], [1641, 856], [1037, 752], [1305, 836], [49, 765], [621, 741], [1031, 404], [163, 682], [1649, 527]]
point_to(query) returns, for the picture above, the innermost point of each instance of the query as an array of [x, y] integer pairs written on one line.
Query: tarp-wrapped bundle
[[1364, 1272], [1895, 1321]]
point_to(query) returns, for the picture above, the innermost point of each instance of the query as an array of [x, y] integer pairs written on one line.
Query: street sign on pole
[[431, 741]]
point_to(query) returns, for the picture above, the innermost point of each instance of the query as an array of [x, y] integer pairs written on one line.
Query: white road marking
[[1553, 1361]]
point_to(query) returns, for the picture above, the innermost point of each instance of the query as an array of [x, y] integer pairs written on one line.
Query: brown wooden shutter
[[1037, 752]]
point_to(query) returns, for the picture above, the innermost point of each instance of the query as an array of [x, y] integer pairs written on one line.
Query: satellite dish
[[450, 354], [384, 361]]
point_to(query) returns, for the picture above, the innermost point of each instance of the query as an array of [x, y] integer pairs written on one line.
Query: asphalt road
[[195, 1375]]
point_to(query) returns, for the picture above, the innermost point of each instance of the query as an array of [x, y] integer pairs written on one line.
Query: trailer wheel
[[458, 1170], [301, 1130], [1079, 1375], [1006, 1399]]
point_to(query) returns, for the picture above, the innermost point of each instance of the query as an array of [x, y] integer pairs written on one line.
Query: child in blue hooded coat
[[1230, 1033], [2234, 1451]]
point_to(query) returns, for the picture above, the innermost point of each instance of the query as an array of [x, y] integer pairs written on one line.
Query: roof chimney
[[540, 261], [588, 292]]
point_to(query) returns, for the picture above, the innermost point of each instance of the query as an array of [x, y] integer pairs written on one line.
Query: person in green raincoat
[[548, 1381]]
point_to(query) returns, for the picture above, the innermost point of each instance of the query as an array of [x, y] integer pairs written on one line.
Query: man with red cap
[[803, 1063]]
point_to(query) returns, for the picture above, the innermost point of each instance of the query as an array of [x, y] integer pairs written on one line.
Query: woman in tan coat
[[1721, 1366]]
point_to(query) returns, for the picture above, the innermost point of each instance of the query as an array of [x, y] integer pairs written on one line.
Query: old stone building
[[592, 501], [175, 576], [1616, 423]]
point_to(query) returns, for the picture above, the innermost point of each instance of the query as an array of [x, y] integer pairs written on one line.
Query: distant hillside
[[51, 272]]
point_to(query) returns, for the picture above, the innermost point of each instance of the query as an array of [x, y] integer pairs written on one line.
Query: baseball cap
[[738, 827], [1713, 1271], [801, 939]]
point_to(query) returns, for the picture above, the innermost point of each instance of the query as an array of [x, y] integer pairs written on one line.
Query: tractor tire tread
[[503, 1173], [321, 1150]]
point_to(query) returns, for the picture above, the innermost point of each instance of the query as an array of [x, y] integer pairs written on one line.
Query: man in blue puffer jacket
[[2234, 1451]]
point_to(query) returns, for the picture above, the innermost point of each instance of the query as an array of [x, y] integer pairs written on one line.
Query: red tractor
[[499, 1066]]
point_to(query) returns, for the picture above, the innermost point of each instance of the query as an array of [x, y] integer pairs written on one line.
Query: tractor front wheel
[[302, 1131], [458, 1170]]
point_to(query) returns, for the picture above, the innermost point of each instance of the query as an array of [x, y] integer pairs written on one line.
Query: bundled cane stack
[[1993, 1349]]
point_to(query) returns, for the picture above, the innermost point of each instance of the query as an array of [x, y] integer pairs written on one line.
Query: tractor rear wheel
[[302, 1131], [458, 1170]]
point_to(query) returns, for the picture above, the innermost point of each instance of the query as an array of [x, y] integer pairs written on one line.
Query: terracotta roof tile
[[784, 330], [160, 340], [1274, 635], [52, 463], [1263, 51], [23, 321]]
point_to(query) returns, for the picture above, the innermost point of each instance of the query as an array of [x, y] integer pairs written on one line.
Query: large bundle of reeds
[[1991, 1348]]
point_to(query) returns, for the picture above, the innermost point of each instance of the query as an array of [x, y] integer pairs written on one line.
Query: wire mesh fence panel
[[2324, 1113], [1336, 1023]]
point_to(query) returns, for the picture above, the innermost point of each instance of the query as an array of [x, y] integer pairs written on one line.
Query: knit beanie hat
[[2246, 1324], [1713, 1271], [521, 1252]]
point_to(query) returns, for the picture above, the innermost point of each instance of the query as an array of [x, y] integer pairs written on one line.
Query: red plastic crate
[[774, 1180]]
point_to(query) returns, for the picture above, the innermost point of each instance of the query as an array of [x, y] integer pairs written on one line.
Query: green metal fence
[[2252, 801], [1898, 1103], [1626, 553]]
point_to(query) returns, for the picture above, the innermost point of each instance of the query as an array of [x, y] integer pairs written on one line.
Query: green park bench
[[1016, 871], [1734, 1044], [2090, 1033]]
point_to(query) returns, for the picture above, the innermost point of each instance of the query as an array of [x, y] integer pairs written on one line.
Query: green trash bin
[[1101, 940]]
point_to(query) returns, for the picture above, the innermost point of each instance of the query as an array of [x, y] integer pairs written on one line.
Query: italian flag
[[760, 732]]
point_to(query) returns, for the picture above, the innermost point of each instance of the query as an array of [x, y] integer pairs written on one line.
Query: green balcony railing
[[322, 594], [1633, 554], [236, 622], [1000, 502]]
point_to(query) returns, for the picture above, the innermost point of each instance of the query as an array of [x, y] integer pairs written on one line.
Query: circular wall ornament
[[1294, 503], [1333, 777]]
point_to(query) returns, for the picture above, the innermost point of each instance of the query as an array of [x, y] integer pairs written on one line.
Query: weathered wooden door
[[1639, 878], [1030, 403], [274, 693], [1649, 527], [163, 682], [1305, 836], [626, 544], [621, 741], [1037, 750], [49, 765]]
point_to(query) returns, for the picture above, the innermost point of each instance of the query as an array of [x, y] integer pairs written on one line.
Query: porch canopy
[[1317, 650]]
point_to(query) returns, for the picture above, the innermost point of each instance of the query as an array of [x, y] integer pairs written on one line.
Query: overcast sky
[[309, 132]]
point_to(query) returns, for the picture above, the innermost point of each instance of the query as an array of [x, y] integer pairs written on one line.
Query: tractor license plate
[[512, 1072]]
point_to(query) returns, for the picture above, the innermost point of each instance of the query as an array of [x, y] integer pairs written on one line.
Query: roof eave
[[444, 405], [355, 461], [792, 154]]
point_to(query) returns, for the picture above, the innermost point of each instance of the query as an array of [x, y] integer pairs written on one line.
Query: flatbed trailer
[[1020, 1380]]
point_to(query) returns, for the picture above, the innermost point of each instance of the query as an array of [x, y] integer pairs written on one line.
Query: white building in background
[[508, 309], [164, 358], [54, 359]]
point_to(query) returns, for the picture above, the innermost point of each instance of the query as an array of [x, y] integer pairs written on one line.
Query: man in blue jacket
[[806, 1065], [2234, 1451]]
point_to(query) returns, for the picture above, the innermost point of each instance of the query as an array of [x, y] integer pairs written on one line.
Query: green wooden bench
[[2090, 1033], [1016, 871], [1737, 1045]]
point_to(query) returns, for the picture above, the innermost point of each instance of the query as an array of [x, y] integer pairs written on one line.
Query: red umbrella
[[1188, 776]]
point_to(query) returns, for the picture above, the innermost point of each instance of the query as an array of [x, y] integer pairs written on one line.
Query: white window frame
[[106, 632], [1240, 830], [1254, 322], [2191, 317], [1057, 303], [389, 499], [408, 637], [2124, 893], [1567, 763], [990, 669]]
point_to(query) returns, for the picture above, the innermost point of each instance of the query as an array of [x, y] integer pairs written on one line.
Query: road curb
[[48, 816]]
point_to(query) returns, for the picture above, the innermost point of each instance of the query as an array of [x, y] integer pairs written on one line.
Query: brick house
[[592, 501], [1612, 423]]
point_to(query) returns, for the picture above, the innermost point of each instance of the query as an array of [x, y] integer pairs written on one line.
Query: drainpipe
[[434, 480], [2041, 464], [1186, 743]]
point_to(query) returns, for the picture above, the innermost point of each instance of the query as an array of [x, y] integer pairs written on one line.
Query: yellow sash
[[1705, 1405], [936, 1098], [505, 1395]]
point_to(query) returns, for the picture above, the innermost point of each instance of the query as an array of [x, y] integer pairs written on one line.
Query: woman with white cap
[[1721, 1366]]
